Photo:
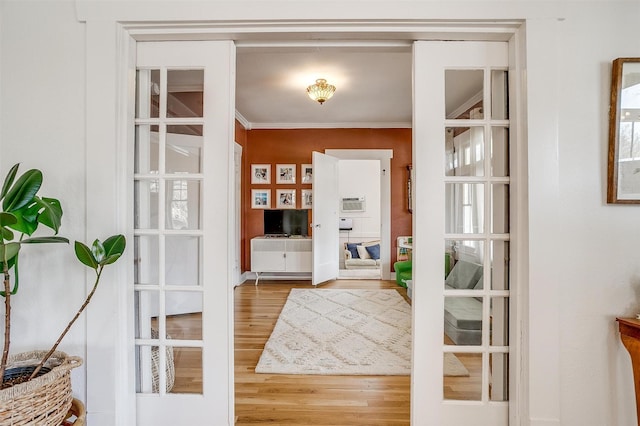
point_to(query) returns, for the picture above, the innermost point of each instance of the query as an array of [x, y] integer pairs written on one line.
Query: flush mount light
[[321, 91]]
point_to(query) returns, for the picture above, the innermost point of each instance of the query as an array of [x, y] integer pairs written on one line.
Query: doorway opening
[[360, 221]]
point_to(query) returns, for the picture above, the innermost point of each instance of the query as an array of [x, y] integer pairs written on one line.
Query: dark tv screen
[[286, 222]]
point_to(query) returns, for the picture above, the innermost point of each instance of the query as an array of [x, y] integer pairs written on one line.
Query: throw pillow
[[354, 251], [363, 253], [374, 251]]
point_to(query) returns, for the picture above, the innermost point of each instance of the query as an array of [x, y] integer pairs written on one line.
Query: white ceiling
[[373, 86]]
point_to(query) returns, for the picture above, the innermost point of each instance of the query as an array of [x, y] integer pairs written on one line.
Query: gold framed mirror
[[623, 174]]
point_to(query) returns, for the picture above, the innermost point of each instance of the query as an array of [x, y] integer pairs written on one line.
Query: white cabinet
[[281, 255]]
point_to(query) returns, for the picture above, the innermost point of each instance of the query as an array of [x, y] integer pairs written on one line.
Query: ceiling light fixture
[[321, 91]]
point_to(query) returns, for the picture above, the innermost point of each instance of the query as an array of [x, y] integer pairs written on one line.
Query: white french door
[[462, 187], [325, 219], [183, 186]]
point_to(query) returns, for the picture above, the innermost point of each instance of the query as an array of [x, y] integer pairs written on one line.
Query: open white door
[[326, 233], [183, 230], [461, 212]]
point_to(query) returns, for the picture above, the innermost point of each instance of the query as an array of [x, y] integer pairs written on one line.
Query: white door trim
[[110, 394], [236, 213]]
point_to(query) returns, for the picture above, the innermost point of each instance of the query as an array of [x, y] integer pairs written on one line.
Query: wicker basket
[[43, 401], [170, 372]]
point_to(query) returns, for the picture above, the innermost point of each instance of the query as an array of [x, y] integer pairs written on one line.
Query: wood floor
[[279, 399], [318, 400]]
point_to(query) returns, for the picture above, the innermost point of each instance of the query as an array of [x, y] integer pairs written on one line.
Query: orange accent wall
[[295, 147]]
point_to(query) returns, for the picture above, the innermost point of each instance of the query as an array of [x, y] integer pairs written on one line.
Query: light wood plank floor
[[312, 399], [319, 400], [279, 399]]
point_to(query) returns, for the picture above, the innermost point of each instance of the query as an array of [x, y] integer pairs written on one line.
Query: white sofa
[[364, 259]]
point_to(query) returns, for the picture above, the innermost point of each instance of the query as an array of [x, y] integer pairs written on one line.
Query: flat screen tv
[[286, 222]]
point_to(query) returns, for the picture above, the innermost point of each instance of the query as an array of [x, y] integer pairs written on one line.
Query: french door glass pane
[[146, 262], [499, 265], [182, 204], [499, 365], [465, 203], [466, 383], [147, 366], [499, 151], [147, 305], [499, 321], [499, 95], [187, 364], [464, 94], [185, 93], [147, 93], [463, 320], [184, 149], [464, 149], [182, 260], [500, 208], [183, 315], [468, 275], [146, 149], [145, 215]]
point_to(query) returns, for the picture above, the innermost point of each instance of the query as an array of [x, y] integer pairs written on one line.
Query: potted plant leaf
[[36, 386]]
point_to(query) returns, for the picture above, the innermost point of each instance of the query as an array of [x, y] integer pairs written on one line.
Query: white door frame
[[110, 390], [236, 213], [384, 156]]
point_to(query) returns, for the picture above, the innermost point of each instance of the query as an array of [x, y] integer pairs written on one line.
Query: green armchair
[[403, 272]]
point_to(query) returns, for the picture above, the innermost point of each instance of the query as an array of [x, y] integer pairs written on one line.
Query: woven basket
[[170, 372], [43, 401]]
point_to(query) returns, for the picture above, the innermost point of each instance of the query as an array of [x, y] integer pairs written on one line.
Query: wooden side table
[[76, 415], [630, 336]]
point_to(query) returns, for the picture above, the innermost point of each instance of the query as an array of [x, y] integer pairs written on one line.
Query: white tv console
[[281, 255]]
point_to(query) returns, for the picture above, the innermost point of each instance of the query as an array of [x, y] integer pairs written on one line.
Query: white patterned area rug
[[342, 332]]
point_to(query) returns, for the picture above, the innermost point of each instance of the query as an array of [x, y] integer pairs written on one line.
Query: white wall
[[599, 277], [584, 265], [360, 178], [42, 104]]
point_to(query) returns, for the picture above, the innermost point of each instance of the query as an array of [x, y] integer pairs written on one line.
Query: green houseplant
[[22, 213]]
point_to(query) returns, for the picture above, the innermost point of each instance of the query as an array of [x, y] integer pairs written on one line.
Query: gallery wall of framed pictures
[[286, 195]]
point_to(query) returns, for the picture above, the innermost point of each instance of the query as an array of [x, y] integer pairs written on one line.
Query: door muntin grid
[[168, 212], [477, 186]]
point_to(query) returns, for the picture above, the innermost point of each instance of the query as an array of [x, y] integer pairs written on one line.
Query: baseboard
[[243, 277], [278, 276]]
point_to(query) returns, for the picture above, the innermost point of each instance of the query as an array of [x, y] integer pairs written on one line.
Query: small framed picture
[[285, 173], [306, 173], [260, 198], [286, 198], [261, 173], [307, 200]]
